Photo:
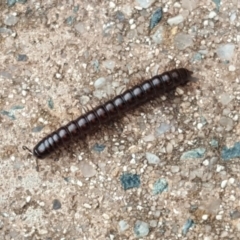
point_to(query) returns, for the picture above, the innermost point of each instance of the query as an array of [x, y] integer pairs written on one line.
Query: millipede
[[104, 113]]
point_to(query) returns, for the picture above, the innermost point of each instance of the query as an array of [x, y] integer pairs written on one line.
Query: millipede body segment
[[131, 98]]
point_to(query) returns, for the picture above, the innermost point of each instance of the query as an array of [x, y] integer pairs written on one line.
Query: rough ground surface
[[60, 58]]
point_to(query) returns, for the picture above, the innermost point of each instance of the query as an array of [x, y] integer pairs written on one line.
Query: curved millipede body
[[131, 98]]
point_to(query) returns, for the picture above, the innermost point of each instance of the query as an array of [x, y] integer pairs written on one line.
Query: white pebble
[[79, 183], [131, 21], [112, 5], [224, 183], [205, 23], [231, 180], [100, 82], [206, 162], [133, 26], [231, 68], [28, 198], [152, 158], [73, 169], [219, 217], [204, 217], [86, 205], [58, 75], [175, 20], [24, 92], [219, 168], [177, 5], [105, 216], [232, 198], [212, 14]]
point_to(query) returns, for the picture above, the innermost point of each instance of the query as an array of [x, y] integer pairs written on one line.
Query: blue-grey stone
[[123, 225], [218, 3], [9, 114], [159, 186], [50, 103], [155, 18], [188, 224], [56, 204], [17, 107], [120, 16], [22, 57], [164, 127], [229, 153], [70, 20], [141, 229], [234, 214], [194, 153], [129, 180], [197, 57], [98, 147], [11, 3], [76, 8], [226, 51], [214, 143], [37, 129]]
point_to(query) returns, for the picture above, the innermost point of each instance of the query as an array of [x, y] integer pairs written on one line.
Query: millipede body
[[131, 98]]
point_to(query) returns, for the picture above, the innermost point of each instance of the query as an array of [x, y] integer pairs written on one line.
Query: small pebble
[[229, 153], [58, 75], [80, 27], [106, 216], [123, 225], [224, 183], [194, 153], [225, 51], [153, 223], [109, 64], [145, 3], [56, 204], [212, 14], [175, 169], [219, 168], [158, 35], [206, 162], [86, 205], [231, 180], [204, 217], [214, 143], [129, 180], [182, 41], [11, 20], [152, 158], [22, 57], [159, 186], [141, 229], [87, 169], [164, 127], [175, 20], [189, 223], [231, 68], [155, 18], [235, 214], [112, 5], [73, 169], [98, 147]]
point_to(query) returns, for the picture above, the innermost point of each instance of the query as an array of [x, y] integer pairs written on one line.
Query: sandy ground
[[167, 170]]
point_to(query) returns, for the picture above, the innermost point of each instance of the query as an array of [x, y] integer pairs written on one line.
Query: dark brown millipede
[[131, 98]]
